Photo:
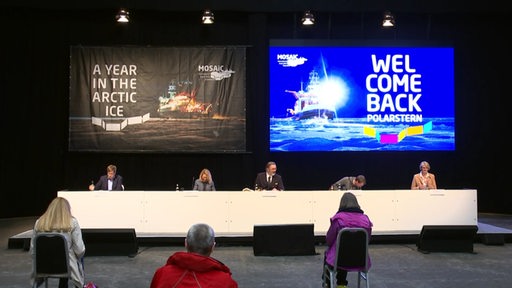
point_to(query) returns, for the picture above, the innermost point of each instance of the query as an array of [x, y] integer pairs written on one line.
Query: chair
[[51, 257], [351, 251]]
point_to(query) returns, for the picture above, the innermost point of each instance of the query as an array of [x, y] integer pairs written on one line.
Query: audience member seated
[[195, 268], [58, 218], [349, 215]]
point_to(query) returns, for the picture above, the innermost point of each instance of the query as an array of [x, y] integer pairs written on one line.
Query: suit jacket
[[419, 182], [103, 183], [262, 183], [200, 186], [345, 183]]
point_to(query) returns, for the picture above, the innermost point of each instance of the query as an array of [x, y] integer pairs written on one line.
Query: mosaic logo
[[290, 60]]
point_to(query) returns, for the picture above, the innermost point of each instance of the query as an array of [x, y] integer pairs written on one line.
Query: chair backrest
[[352, 248], [51, 255]]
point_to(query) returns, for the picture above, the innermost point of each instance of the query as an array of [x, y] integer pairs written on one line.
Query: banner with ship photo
[[361, 96], [157, 99]]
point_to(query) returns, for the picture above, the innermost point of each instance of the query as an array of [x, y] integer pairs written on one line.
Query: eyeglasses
[[424, 167]]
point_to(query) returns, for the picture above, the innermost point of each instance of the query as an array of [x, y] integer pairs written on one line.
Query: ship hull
[[315, 113]]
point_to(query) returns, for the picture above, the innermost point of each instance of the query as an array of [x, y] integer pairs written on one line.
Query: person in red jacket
[[195, 268]]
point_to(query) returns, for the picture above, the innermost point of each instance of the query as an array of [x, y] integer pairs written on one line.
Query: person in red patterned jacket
[[195, 268]]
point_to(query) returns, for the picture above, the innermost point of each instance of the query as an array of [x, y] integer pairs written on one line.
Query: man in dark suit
[[269, 180], [111, 181]]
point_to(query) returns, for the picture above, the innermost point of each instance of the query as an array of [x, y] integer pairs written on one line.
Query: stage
[[487, 234], [128, 219]]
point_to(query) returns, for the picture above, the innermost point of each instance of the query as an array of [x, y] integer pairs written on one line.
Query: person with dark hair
[[110, 181], [424, 180], [58, 218], [204, 182], [269, 180], [349, 183], [349, 215], [195, 268]]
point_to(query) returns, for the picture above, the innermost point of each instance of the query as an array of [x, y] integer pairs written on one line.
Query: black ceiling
[[267, 6]]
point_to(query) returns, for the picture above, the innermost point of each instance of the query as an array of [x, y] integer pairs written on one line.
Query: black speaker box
[[110, 242], [284, 240], [447, 238]]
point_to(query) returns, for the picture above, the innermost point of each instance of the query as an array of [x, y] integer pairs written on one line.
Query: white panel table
[[234, 213]]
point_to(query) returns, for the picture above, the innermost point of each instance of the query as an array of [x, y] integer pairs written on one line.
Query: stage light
[[207, 17], [388, 20], [308, 18], [123, 16]]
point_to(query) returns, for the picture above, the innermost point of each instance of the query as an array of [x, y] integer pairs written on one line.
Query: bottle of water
[[256, 188], [177, 187]]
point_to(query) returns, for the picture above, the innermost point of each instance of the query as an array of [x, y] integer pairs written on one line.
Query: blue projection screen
[[335, 97]]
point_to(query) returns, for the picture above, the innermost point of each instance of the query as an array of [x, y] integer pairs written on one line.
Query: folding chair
[[51, 257], [352, 254]]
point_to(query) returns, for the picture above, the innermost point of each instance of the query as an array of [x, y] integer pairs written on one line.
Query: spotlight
[[123, 16], [388, 20], [207, 17], [308, 18]]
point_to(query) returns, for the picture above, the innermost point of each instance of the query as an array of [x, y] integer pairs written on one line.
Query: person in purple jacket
[[349, 215]]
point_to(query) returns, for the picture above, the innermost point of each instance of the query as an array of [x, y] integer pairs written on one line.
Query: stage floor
[[487, 234], [394, 264]]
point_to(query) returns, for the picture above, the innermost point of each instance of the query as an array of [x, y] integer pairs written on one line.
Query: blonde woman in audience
[[58, 218]]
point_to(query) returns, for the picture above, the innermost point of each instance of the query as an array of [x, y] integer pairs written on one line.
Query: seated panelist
[[110, 181], [424, 179], [269, 180], [349, 183], [204, 182]]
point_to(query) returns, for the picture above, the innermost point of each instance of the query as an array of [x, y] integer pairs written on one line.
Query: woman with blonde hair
[[58, 218], [424, 179], [204, 182]]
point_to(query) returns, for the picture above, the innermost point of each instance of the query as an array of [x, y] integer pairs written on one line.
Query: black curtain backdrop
[[35, 81]]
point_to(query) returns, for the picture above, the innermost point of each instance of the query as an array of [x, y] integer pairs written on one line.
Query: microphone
[[193, 182]]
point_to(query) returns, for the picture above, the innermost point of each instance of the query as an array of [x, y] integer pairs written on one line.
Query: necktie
[[269, 179]]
